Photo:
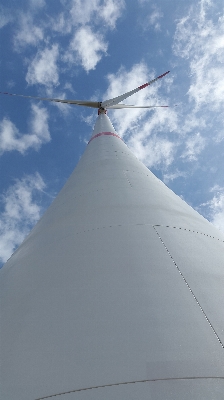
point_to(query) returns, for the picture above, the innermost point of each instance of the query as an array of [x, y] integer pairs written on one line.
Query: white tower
[[118, 291]]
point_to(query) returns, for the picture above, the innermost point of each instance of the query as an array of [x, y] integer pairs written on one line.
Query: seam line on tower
[[194, 296], [132, 382], [153, 225]]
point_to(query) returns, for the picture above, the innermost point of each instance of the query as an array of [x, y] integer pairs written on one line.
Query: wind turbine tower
[[118, 291]]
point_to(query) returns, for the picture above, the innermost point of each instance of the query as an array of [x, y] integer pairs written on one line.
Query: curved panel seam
[[195, 298], [190, 230], [131, 382], [153, 225]]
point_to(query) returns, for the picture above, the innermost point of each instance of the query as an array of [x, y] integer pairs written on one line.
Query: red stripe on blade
[[161, 76], [143, 86]]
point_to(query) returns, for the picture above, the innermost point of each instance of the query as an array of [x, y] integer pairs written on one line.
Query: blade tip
[[165, 73]]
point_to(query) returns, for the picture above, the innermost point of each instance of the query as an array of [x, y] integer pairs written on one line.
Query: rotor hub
[[102, 110]]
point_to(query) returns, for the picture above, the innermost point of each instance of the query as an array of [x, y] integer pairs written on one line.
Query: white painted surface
[[95, 294]]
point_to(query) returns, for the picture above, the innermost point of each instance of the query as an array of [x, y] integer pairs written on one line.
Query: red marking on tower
[[104, 134]]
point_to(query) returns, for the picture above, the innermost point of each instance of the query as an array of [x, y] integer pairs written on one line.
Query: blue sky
[[98, 49]]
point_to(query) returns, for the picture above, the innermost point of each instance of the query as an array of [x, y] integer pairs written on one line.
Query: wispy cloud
[[27, 33], [194, 146], [37, 3], [199, 39], [43, 68], [73, 17], [6, 16], [215, 207], [199, 49], [21, 212], [12, 139], [151, 17], [96, 11], [171, 176], [193, 122], [153, 151], [111, 11], [154, 18], [88, 44]]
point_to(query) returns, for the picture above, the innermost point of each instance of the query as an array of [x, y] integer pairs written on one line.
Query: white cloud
[[84, 13], [154, 18], [143, 2], [111, 11], [88, 22], [69, 87], [96, 11], [62, 23], [79, 17], [20, 213], [5, 16], [43, 68], [27, 33], [199, 38], [39, 124], [37, 3], [153, 151], [145, 132], [192, 122], [216, 207], [173, 175], [194, 146], [12, 139], [88, 48], [220, 136], [151, 15]]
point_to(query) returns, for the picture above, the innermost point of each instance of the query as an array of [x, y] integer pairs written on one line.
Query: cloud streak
[[194, 146], [11, 138], [214, 208], [217, 210], [5, 16], [96, 12], [199, 38], [27, 33], [21, 212]]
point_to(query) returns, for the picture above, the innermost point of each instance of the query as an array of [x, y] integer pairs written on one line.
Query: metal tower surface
[[117, 292]]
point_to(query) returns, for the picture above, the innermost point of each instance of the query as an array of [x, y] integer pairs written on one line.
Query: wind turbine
[[101, 105], [117, 292]]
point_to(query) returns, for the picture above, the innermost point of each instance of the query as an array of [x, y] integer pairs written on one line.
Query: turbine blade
[[87, 103], [116, 100], [118, 106]]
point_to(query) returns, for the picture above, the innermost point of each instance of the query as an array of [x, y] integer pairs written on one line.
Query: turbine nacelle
[[102, 110]]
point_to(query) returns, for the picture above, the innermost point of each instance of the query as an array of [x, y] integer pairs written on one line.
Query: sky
[[99, 49]]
